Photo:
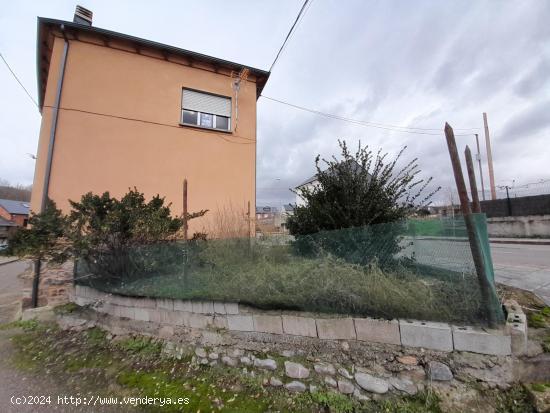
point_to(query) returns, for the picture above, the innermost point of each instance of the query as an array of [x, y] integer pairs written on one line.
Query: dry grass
[[229, 221], [271, 277]]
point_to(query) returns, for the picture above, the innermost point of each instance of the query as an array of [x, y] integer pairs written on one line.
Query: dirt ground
[[16, 383]]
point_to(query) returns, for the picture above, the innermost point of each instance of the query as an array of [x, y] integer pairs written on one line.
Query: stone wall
[[292, 357], [56, 284], [234, 317]]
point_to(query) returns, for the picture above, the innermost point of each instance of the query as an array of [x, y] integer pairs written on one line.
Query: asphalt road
[[11, 289], [523, 266]]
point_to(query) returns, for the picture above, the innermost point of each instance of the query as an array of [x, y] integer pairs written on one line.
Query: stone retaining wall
[[238, 318], [519, 226], [56, 284]]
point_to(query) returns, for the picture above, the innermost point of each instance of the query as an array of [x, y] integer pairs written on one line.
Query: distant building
[[16, 212], [444, 210], [313, 182], [267, 214], [7, 228], [272, 219], [309, 183]]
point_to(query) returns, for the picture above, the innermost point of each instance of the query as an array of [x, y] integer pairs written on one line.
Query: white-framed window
[[205, 110]]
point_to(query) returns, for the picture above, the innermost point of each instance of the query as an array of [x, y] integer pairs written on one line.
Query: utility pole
[[476, 208], [480, 169], [489, 158]]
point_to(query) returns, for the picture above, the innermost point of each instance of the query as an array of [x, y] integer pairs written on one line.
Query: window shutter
[[207, 103]]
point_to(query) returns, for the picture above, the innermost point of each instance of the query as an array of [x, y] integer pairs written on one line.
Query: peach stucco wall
[[104, 153]]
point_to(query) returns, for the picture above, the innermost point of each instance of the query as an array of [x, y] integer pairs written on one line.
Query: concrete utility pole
[[476, 208], [480, 168], [489, 158]]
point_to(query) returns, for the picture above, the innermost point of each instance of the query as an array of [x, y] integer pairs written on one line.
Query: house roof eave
[[44, 25]]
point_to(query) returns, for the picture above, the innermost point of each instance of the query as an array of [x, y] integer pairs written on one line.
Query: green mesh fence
[[416, 269]]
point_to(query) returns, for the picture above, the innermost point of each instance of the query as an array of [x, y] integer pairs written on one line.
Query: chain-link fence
[[416, 269]]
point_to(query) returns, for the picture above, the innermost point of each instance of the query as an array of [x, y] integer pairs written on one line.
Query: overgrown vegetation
[[539, 319], [515, 400], [353, 194], [348, 256], [101, 230], [273, 277], [26, 325], [43, 238], [140, 345]]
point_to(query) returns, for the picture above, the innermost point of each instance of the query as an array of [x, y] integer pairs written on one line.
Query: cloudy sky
[[401, 62]]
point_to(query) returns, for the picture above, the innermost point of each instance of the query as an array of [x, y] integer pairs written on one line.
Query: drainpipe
[[47, 172]]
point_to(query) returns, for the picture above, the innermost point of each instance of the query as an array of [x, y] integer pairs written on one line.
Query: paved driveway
[[523, 266], [11, 289]]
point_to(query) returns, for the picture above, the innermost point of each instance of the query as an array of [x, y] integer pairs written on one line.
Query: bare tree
[[15, 192]]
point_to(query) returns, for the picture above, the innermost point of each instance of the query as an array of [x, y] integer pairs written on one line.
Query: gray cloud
[[420, 63], [528, 122], [534, 80]]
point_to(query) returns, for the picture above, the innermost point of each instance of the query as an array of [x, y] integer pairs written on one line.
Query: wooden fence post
[[475, 247], [185, 217], [185, 225]]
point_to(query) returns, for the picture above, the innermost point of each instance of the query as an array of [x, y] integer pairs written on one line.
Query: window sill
[[204, 128]]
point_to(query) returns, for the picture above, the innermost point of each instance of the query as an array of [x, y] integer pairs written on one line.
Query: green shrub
[[42, 238], [360, 190]]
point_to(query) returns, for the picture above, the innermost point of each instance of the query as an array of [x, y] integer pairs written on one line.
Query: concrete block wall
[[233, 317], [519, 226]]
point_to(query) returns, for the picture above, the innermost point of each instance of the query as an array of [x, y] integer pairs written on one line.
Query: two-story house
[[119, 111], [15, 211], [13, 214]]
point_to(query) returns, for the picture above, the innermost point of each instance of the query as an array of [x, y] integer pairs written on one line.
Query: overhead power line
[[394, 128], [225, 138], [300, 14], [18, 81]]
